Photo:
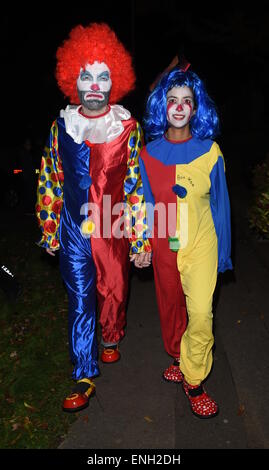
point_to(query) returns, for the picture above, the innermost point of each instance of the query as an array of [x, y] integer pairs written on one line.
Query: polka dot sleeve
[[135, 207], [50, 192]]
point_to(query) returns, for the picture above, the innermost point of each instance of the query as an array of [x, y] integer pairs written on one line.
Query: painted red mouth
[[179, 117], [96, 96]]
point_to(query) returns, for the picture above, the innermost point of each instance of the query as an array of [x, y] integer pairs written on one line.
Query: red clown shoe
[[173, 373], [80, 397], [110, 354], [202, 405]]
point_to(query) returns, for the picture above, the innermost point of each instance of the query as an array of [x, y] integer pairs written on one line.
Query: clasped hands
[[141, 260]]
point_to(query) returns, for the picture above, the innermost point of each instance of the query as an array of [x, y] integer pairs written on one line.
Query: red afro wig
[[96, 42]]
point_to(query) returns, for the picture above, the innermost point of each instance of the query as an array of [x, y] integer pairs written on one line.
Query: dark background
[[228, 46]]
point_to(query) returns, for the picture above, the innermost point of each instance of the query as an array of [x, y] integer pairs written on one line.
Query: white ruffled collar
[[98, 130]]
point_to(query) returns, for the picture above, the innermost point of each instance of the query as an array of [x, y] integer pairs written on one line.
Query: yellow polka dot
[[87, 227]]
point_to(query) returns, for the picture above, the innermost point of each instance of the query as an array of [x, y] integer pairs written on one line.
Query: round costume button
[[85, 182], [87, 227]]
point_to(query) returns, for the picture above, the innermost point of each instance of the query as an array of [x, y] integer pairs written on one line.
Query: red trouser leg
[[111, 258], [170, 296]]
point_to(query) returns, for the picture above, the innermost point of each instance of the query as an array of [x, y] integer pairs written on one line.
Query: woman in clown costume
[[183, 167], [89, 169]]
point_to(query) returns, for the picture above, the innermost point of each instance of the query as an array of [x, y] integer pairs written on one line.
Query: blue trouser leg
[[79, 274]]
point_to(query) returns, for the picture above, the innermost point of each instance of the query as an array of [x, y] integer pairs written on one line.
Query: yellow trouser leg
[[198, 271]]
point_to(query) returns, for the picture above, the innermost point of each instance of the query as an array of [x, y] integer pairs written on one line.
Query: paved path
[[135, 409]]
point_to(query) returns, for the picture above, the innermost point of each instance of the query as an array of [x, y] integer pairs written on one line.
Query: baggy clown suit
[[90, 160], [192, 173]]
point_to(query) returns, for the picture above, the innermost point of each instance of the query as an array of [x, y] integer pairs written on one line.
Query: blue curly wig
[[205, 122]]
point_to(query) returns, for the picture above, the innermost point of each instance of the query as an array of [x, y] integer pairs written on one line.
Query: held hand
[[141, 260], [50, 252]]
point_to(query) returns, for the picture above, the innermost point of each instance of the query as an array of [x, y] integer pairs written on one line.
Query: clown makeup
[[94, 86], [180, 106]]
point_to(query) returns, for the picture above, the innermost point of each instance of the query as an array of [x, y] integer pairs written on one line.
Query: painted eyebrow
[[103, 74], [85, 73], [184, 97]]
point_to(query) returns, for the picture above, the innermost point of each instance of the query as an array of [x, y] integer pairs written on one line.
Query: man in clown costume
[[89, 186]]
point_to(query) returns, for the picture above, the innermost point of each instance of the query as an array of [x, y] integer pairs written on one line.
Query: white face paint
[[94, 85], [180, 106], [95, 79]]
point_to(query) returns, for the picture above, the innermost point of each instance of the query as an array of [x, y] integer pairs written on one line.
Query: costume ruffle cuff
[[49, 241], [139, 246]]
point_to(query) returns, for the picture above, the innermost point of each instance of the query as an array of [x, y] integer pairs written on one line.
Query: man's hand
[[50, 252], [141, 260]]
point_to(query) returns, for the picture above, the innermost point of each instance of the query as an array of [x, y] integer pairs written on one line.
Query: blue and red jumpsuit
[[71, 176]]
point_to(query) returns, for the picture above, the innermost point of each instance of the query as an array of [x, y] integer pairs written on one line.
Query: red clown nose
[[179, 107], [95, 87]]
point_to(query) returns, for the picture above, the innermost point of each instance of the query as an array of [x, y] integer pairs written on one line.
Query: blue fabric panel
[[76, 163], [79, 275], [220, 208]]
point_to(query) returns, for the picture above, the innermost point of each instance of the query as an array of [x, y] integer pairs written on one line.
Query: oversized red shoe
[[202, 405], [173, 373], [110, 355], [80, 397]]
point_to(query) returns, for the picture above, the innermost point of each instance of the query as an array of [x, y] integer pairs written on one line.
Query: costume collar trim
[[177, 141], [94, 117], [96, 130], [174, 153]]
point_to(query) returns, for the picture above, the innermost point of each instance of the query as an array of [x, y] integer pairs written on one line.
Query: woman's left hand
[[141, 260]]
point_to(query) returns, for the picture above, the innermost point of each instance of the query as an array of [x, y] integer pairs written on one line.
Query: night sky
[[228, 48]]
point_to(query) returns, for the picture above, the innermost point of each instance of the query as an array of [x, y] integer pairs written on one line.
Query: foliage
[[34, 363], [259, 209]]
